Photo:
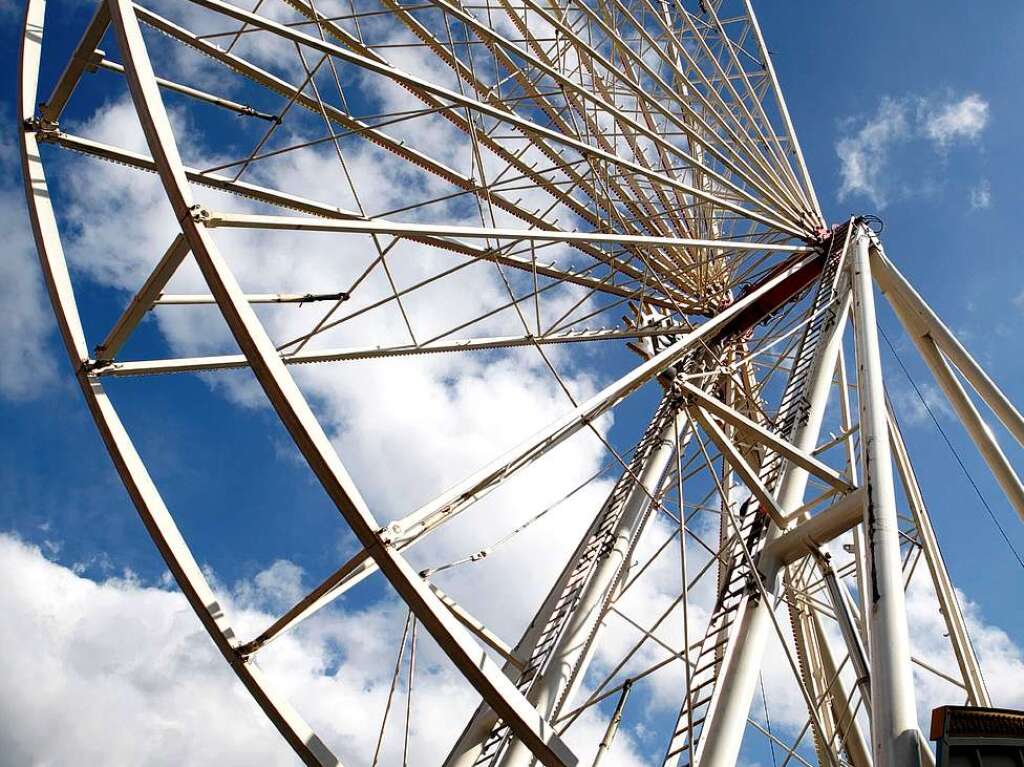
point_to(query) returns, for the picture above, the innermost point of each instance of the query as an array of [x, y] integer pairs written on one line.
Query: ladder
[[737, 586], [600, 539]]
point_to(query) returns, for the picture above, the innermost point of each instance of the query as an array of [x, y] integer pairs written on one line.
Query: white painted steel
[[697, 208], [894, 728], [973, 422], [949, 604], [147, 500], [566, 669], [726, 720], [303, 426], [920, 320]]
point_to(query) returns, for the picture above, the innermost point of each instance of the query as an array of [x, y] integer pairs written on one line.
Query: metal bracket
[[45, 129], [199, 213]]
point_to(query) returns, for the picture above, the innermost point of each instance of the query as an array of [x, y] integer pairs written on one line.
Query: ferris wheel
[[624, 180]]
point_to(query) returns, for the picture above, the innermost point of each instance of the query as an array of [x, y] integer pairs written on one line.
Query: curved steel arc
[[299, 420], [593, 123], [144, 494]]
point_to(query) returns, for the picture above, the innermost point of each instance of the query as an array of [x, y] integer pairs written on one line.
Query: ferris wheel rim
[[527, 723], [155, 515]]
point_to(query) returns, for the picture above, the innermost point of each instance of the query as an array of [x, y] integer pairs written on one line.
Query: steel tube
[[401, 228], [920, 320], [298, 418], [755, 431], [613, 725], [972, 421], [566, 668], [893, 709], [808, 536], [726, 720], [956, 627], [140, 486]]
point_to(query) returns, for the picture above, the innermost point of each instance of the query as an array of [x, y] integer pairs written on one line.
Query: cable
[[953, 450], [768, 721], [873, 221]]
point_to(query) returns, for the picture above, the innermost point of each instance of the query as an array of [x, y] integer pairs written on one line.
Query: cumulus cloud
[[863, 155], [866, 148], [430, 421], [964, 119], [125, 675], [118, 652]]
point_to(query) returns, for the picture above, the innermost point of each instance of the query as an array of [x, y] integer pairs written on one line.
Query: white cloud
[[864, 155], [119, 655], [1002, 660], [26, 323], [947, 122], [868, 165], [913, 405], [430, 420], [980, 195], [126, 676]]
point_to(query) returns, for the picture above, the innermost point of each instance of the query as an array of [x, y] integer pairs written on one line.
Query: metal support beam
[[296, 415], [725, 724], [613, 725], [478, 629], [977, 429], [920, 320], [794, 142], [80, 61], [316, 208], [739, 464], [844, 617], [143, 301], [758, 433], [185, 90], [454, 97], [467, 747], [143, 492], [566, 667], [753, 305], [401, 228], [894, 729], [949, 605], [808, 536]]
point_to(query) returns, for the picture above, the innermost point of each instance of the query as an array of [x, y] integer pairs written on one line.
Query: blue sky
[[926, 101]]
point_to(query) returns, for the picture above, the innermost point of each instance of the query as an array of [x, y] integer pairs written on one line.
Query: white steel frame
[[664, 235]]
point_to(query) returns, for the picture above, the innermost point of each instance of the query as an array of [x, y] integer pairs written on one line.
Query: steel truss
[[647, 145]]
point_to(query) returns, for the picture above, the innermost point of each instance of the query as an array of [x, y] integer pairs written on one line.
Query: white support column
[[956, 627], [975, 425], [919, 321], [567, 667], [726, 721], [893, 710]]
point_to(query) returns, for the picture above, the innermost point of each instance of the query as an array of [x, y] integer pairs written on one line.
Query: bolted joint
[[247, 650], [681, 399], [91, 366], [199, 213], [44, 129], [312, 297], [389, 533]]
